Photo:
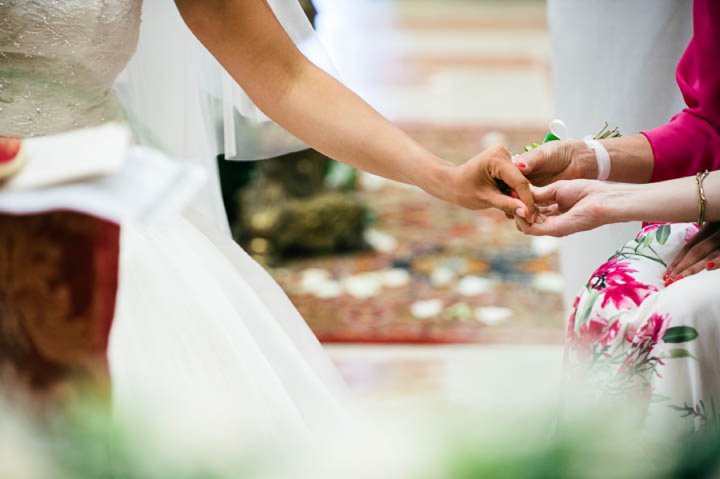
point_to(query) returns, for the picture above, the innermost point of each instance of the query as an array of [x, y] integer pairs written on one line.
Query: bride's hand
[[477, 183], [568, 207]]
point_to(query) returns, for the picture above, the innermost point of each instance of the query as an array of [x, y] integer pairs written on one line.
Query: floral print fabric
[[630, 336]]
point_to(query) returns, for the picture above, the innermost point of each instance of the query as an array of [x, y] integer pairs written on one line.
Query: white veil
[[181, 100]]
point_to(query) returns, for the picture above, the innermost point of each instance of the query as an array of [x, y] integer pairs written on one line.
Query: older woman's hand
[[631, 156], [700, 253], [556, 161], [568, 207]]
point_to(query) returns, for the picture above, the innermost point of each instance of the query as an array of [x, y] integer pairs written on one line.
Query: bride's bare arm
[[247, 39]]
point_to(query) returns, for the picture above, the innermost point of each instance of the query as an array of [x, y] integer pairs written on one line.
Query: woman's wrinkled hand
[[557, 161], [567, 207], [491, 180], [700, 253]]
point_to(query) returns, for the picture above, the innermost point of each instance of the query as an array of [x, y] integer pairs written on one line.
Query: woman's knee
[[693, 297]]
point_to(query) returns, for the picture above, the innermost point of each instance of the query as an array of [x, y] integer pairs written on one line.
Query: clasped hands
[[559, 199], [532, 188], [546, 190]]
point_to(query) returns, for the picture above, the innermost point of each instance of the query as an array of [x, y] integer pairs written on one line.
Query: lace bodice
[[58, 62]]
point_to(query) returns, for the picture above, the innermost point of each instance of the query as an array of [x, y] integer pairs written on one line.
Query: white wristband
[[602, 156]]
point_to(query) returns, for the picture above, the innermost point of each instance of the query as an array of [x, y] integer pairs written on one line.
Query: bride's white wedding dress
[[201, 331]]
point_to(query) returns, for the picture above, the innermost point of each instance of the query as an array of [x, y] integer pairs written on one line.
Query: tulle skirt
[[203, 337]]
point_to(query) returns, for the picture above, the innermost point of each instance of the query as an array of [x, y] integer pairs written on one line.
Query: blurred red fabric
[[58, 284]]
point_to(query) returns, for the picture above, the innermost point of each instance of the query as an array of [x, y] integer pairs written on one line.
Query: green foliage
[[502, 442]]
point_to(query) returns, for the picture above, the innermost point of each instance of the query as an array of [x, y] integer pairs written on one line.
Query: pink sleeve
[[690, 142]]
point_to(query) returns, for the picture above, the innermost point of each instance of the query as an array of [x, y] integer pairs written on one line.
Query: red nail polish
[[666, 277], [9, 149], [669, 282], [678, 277], [521, 165], [710, 264]]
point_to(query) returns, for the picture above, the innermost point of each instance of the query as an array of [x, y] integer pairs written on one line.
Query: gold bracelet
[[702, 200]]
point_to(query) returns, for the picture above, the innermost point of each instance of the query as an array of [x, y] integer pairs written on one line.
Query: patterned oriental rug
[[436, 273]]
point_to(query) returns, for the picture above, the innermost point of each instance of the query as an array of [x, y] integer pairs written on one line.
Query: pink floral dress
[[631, 335]]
